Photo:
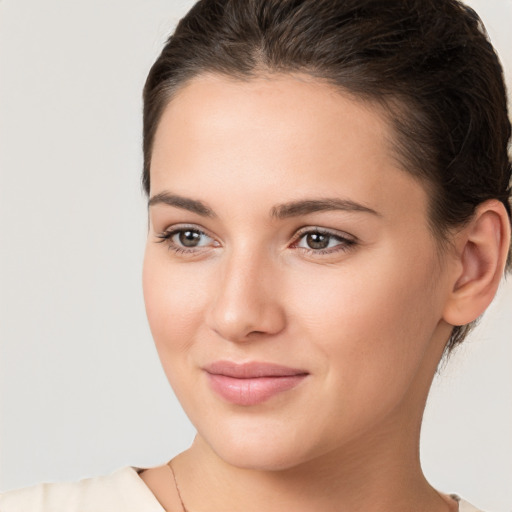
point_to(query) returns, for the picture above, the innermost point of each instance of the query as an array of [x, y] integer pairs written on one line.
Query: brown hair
[[428, 62]]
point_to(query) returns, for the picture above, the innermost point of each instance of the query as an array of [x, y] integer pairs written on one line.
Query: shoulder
[[122, 491], [464, 506]]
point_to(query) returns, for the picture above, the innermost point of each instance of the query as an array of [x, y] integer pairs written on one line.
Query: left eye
[[318, 240]]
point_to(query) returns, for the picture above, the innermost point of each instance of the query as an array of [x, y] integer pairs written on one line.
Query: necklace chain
[[177, 487]]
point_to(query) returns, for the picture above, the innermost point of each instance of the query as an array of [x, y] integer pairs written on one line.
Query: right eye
[[186, 239]]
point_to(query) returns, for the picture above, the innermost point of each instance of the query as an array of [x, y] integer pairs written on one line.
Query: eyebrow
[[303, 207], [282, 211], [192, 205]]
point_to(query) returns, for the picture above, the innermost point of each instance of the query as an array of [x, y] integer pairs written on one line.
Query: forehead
[[297, 106], [275, 135]]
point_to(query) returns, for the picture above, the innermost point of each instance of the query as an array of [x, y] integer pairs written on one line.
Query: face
[[291, 281]]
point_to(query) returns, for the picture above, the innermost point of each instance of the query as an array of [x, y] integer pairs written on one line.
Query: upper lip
[[251, 370]]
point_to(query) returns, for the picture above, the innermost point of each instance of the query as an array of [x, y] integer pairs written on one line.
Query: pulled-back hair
[[429, 63]]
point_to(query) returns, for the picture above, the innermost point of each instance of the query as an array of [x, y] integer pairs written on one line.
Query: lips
[[251, 383]]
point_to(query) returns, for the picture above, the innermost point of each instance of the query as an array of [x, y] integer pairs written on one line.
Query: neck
[[375, 473]]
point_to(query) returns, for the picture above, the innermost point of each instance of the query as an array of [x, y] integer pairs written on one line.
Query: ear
[[481, 251]]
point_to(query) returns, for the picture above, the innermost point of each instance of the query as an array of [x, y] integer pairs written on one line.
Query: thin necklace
[[177, 488]]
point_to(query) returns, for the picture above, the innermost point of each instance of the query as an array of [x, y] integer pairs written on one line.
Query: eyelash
[[344, 245], [166, 238]]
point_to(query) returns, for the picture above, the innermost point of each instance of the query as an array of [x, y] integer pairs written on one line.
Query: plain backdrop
[[82, 391]]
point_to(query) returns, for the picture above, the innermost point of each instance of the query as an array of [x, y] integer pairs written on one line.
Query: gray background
[[82, 392]]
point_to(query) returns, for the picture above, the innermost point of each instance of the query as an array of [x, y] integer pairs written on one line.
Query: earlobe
[[482, 248]]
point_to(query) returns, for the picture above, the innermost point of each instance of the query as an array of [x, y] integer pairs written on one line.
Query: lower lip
[[252, 391]]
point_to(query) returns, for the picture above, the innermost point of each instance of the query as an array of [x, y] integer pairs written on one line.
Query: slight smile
[[251, 383]]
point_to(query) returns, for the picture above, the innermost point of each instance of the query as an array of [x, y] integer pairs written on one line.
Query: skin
[[367, 318]]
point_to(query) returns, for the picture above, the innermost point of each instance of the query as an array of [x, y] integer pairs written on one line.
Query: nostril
[[244, 307]]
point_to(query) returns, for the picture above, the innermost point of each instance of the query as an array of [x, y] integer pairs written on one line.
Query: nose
[[246, 303]]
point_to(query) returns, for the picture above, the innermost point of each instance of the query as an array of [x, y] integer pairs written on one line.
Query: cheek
[[372, 323], [359, 308], [173, 303]]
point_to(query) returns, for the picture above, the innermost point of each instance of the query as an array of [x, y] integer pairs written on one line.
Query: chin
[[258, 458], [259, 448]]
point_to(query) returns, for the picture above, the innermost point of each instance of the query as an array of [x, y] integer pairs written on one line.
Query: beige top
[[122, 491]]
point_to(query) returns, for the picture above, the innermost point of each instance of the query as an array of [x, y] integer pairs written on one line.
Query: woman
[[328, 188]]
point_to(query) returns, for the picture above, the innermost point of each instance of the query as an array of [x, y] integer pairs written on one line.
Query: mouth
[[251, 383]]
